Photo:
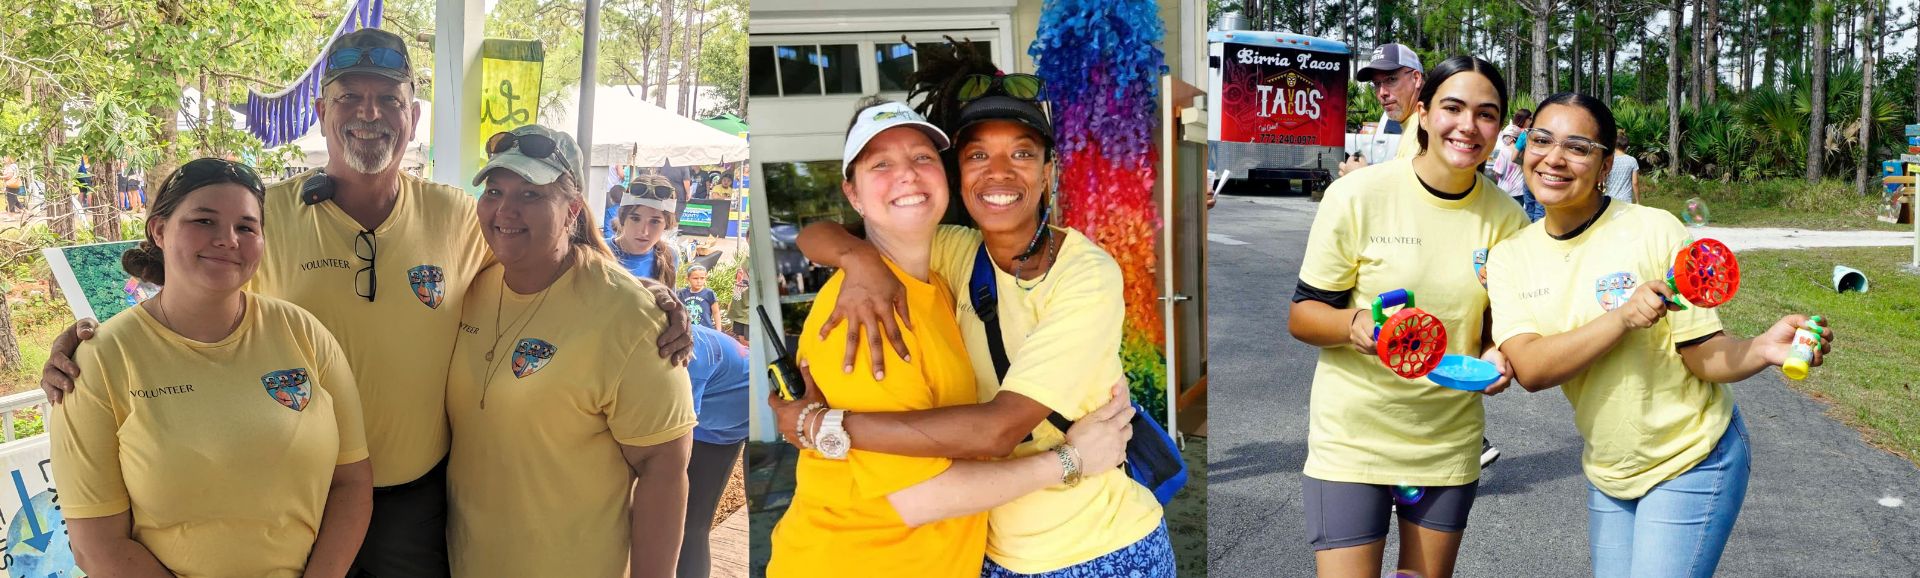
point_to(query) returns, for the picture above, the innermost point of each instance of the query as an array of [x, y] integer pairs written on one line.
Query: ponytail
[[663, 260], [145, 262]]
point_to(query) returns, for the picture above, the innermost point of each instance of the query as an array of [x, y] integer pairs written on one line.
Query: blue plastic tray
[[1464, 373]]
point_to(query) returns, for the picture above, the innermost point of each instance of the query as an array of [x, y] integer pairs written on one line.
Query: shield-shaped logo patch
[[289, 387], [429, 284], [1613, 289], [530, 355]]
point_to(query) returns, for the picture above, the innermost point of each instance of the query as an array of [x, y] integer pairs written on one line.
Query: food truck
[[1277, 105]]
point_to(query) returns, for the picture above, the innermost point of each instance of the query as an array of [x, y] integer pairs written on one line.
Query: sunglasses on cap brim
[[530, 145], [1020, 86], [379, 56]]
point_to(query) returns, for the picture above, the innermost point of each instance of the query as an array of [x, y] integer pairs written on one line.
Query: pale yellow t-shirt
[[425, 254], [841, 523], [223, 452], [1409, 138], [1645, 417], [1379, 229], [537, 485], [1062, 337]]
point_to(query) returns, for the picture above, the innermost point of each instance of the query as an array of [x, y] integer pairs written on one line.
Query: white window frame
[[812, 141], [865, 44]]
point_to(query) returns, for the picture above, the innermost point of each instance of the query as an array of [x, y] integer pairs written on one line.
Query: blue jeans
[[1681, 526], [1149, 557], [1535, 211]]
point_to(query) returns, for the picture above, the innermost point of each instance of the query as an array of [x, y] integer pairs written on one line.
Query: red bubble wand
[[1411, 342], [1706, 273]]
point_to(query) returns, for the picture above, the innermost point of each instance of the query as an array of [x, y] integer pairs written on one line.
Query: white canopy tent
[[629, 130]]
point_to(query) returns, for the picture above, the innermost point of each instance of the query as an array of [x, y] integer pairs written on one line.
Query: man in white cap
[[1397, 76]]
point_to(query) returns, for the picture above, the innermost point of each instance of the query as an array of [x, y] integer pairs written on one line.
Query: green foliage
[[1788, 201], [28, 423], [1362, 106], [630, 42]]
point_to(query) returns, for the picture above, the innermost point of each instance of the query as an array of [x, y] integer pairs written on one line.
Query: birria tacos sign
[[1275, 95]]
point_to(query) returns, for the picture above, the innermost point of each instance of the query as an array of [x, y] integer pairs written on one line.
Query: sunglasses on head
[[380, 56], [656, 192], [202, 172], [1021, 86], [531, 145]]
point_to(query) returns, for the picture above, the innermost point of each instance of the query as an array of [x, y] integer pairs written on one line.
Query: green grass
[[1830, 205], [1869, 379]]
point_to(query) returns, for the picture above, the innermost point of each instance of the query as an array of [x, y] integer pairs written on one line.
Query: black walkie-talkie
[[785, 375]]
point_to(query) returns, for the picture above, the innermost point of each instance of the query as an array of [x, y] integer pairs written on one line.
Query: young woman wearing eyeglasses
[[1578, 300], [213, 431]]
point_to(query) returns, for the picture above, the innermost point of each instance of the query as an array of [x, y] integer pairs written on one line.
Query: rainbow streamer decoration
[[1101, 60], [284, 116]]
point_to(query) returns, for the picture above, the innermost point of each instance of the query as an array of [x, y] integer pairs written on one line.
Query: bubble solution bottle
[[1805, 341]]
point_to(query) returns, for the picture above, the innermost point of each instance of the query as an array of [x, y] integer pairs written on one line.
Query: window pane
[[842, 68], [799, 70], [983, 46], [895, 62], [760, 66], [799, 194]]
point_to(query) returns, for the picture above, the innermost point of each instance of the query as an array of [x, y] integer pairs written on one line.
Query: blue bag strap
[[986, 304]]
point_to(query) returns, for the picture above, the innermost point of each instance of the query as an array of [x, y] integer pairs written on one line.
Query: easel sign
[[91, 278], [36, 543]]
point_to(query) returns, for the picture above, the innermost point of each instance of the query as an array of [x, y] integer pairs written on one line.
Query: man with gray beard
[[333, 236]]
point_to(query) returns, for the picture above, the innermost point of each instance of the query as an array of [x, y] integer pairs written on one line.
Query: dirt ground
[[736, 495]]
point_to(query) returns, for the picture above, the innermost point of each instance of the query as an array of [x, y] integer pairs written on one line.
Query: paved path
[[1818, 504], [729, 546], [1741, 238]]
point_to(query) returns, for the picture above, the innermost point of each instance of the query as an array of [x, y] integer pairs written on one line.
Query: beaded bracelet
[[800, 427]]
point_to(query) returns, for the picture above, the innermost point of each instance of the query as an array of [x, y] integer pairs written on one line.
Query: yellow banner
[[509, 88]]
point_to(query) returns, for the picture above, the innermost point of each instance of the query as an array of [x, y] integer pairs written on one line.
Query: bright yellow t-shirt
[[840, 523], [1645, 417], [1378, 229], [224, 452], [425, 254], [1062, 337], [1409, 138], [536, 483]]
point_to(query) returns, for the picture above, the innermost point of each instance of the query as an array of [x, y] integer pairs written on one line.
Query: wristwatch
[[1069, 464], [832, 440]]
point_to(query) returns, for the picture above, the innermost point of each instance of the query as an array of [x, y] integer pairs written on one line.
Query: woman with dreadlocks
[[1050, 344]]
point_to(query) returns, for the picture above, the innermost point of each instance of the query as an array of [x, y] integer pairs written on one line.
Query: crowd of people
[[272, 412], [1525, 241]]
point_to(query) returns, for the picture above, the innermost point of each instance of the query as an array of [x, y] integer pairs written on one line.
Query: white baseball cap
[[878, 118]]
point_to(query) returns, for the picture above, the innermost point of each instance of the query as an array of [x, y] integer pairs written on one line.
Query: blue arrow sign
[[38, 539]]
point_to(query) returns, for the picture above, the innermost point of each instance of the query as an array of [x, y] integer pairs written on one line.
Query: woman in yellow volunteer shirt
[[1060, 306], [570, 433], [860, 513], [1422, 224], [1577, 302], [212, 432]]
